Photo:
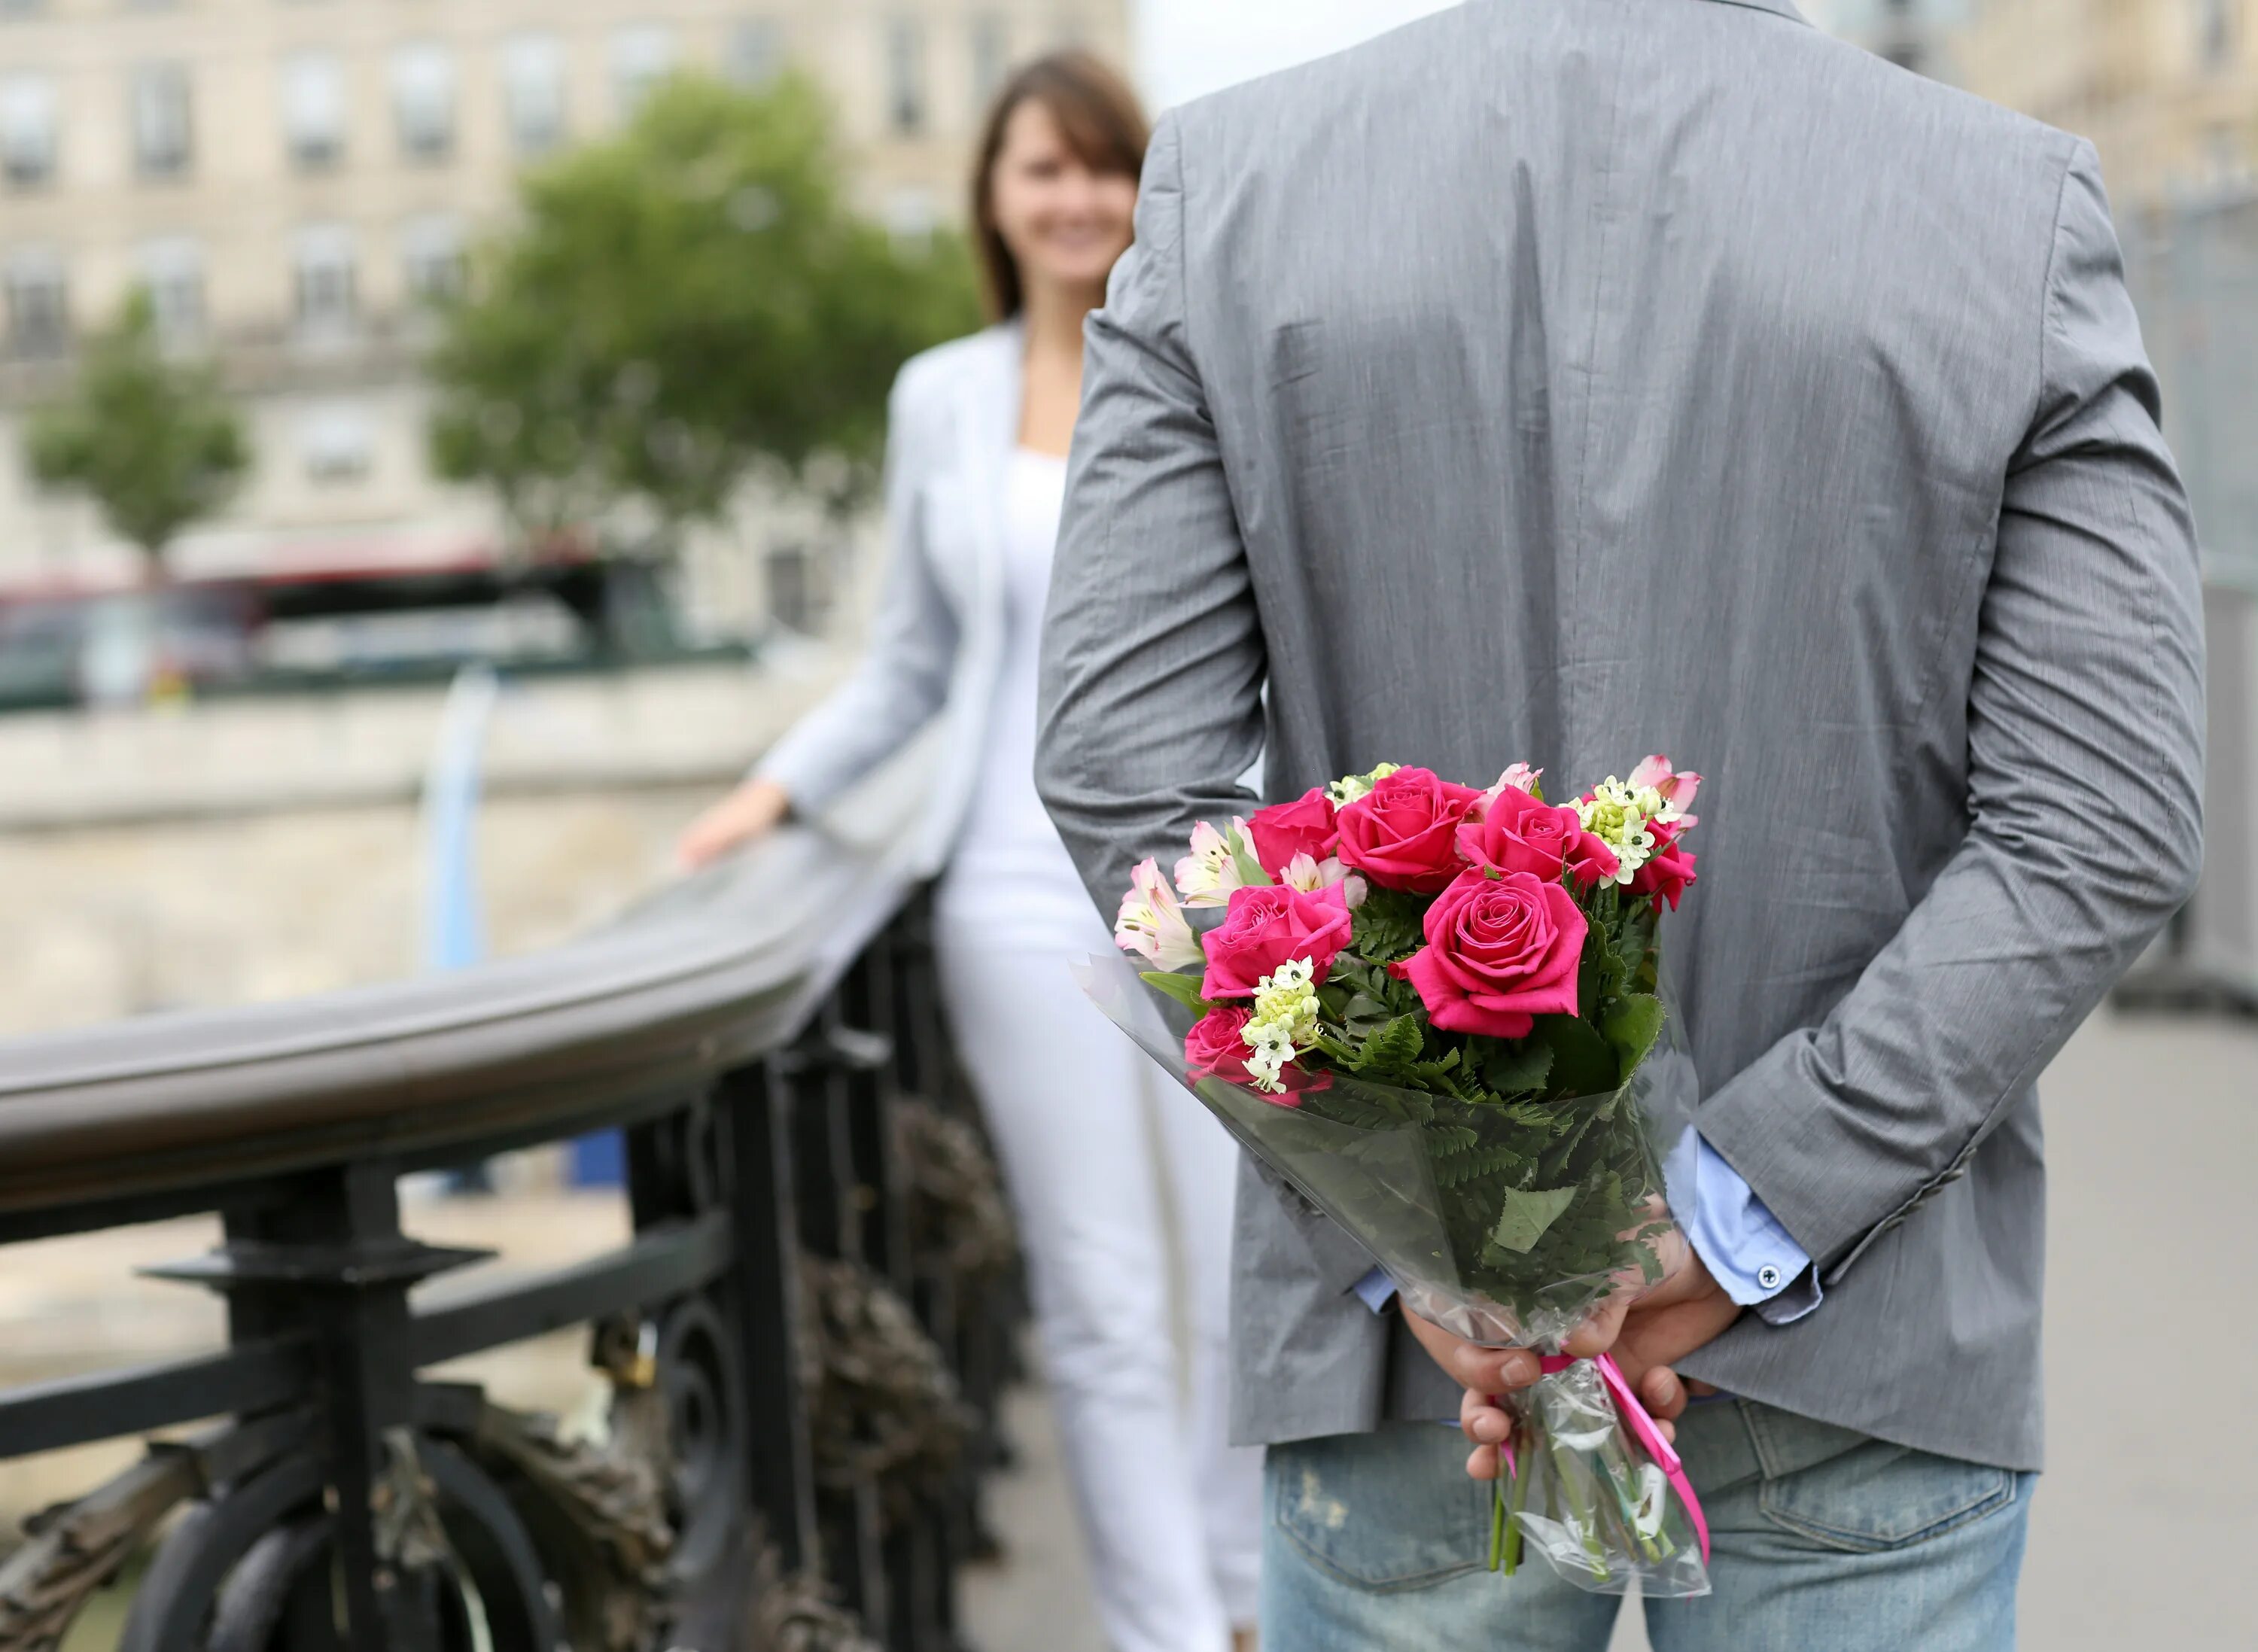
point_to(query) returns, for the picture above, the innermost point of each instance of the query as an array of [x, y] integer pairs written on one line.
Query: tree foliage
[[156, 444], [680, 307]]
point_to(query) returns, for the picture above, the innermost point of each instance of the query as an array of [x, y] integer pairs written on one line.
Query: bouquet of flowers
[[1437, 1012]]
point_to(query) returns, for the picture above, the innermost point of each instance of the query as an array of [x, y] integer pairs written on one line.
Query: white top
[[1010, 877]]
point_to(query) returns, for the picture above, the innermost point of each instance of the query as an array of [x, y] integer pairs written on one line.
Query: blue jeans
[[1824, 1541]]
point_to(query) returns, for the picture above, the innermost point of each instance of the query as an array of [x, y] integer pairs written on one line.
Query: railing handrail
[[717, 969]]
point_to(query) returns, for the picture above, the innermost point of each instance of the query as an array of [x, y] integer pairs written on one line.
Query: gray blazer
[[1568, 380], [937, 639]]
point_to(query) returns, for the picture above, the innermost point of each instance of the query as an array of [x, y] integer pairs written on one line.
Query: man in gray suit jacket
[[1561, 380]]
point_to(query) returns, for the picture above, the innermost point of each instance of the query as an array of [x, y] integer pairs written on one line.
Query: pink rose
[[1669, 869], [1284, 830], [1520, 834], [1214, 1049], [1403, 834], [1268, 926], [1500, 952]]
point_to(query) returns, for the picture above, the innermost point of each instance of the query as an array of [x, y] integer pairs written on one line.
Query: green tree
[[686, 306], [156, 444]]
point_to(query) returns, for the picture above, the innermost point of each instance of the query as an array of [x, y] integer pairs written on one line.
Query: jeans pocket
[[1879, 1497], [1386, 1511]]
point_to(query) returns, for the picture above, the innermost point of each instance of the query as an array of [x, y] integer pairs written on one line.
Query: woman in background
[[975, 473]]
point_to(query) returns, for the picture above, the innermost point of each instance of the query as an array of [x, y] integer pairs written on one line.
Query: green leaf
[[1185, 989], [1632, 1024], [1527, 1215], [1394, 1045], [1583, 1062], [1250, 868], [1521, 1065], [1389, 925]]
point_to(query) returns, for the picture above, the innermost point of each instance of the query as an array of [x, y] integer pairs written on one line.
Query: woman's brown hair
[[1097, 115]]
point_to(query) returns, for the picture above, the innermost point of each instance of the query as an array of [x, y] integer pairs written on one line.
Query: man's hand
[[1648, 1328], [1482, 1373]]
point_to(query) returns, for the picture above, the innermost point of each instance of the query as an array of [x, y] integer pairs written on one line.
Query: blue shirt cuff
[[1376, 1290], [1747, 1251]]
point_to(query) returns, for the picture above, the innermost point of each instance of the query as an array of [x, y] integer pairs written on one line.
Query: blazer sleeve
[[2085, 758], [1152, 659], [902, 680]]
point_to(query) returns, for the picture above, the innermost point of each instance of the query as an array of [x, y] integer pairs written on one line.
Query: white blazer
[[937, 636]]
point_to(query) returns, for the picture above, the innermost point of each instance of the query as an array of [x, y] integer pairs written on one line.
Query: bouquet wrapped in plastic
[[1437, 1012]]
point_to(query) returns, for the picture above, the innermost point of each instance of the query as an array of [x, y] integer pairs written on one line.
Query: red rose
[[1668, 870], [1214, 1049], [1284, 830], [1403, 834], [1520, 834], [1266, 925], [1500, 952]]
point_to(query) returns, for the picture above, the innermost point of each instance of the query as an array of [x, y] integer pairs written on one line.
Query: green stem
[[1497, 1521]]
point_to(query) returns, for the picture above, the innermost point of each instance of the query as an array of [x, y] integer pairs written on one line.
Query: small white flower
[[1284, 1024], [1349, 788], [1619, 815], [1152, 925]]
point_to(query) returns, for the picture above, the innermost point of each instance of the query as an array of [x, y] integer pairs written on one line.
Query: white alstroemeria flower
[[1619, 815], [1152, 925], [1206, 876], [1309, 875]]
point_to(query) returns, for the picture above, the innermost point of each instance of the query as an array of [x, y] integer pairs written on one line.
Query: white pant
[[1173, 1515]]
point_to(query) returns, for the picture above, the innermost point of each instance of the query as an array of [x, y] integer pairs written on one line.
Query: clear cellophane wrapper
[[1462, 1204]]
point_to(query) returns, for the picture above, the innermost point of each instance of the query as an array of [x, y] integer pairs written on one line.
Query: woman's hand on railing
[[749, 812]]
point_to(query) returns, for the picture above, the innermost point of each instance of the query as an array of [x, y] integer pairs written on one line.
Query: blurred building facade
[[2167, 89], [287, 178]]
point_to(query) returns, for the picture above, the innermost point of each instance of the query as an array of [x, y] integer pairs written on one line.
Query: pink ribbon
[[1643, 1429]]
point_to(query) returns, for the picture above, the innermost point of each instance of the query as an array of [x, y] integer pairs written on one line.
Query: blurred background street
[[439, 452]]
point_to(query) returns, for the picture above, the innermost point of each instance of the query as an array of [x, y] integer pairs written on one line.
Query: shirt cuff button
[[1768, 1276]]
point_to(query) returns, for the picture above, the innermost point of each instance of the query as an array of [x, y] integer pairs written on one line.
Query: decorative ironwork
[[884, 1406], [796, 1612], [815, 1255], [959, 1223]]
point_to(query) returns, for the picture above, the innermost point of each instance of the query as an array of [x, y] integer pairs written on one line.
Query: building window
[[163, 123], [991, 57], [642, 57], [313, 108], [336, 442], [431, 257], [533, 89], [173, 274], [38, 304], [2215, 32], [423, 100], [905, 77], [27, 129], [324, 258], [755, 52]]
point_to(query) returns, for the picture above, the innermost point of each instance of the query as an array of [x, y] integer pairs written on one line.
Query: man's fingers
[[1469, 1364], [1662, 1393], [1601, 1328], [1482, 1420], [1483, 1462]]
